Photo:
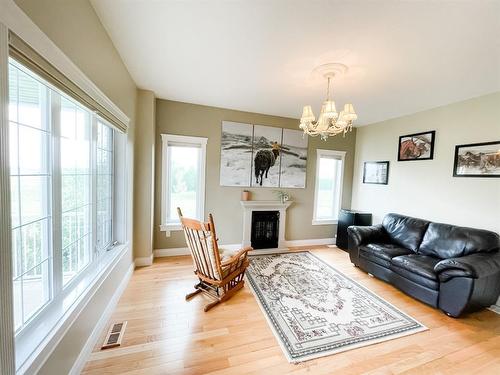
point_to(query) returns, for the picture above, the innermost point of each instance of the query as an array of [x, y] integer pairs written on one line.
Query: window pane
[[75, 188], [184, 182], [35, 289], [104, 186], [18, 302], [14, 202], [327, 199], [17, 254], [13, 99], [34, 198], [31, 101], [33, 151], [34, 242], [31, 193], [13, 148]]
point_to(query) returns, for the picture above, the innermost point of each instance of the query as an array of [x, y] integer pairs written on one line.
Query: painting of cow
[[419, 146], [262, 156]]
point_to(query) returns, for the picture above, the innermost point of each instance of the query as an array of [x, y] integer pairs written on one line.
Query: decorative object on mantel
[[330, 122], [376, 172], [245, 195], [262, 156], [283, 196], [419, 146], [314, 310], [477, 160]]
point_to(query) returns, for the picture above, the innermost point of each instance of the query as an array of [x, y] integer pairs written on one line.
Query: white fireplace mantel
[[250, 206]]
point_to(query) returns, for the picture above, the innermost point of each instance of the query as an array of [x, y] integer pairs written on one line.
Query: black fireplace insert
[[265, 229]]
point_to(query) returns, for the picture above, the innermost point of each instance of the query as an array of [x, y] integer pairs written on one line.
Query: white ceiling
[[258, 55]]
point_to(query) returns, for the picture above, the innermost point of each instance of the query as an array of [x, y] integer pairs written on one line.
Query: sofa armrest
[[475, 266], [359, 235]]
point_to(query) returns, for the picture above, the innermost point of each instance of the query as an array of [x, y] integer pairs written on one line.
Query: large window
[[183, 178], [61, 173], [328, 186]]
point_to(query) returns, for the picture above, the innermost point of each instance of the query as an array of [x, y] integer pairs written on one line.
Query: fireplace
[[265, 229], [251, 207]]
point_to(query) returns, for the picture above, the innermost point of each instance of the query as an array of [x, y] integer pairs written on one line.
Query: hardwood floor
[[167, 335]]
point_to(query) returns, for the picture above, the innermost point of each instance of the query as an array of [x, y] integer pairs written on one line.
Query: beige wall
[[224, 202], [427, 188], [75, 28], [144, 174]]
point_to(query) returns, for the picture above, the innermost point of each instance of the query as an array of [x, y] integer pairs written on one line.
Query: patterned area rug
[[314, 310]]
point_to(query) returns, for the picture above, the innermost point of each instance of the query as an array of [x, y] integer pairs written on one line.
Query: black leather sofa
[[456, 269]]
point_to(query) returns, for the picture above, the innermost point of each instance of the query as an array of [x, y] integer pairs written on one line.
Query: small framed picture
[[376, 172], [477, 160], [419, 146]]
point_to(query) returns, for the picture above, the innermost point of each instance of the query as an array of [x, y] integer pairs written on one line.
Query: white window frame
[[340, 181], [171, 139]]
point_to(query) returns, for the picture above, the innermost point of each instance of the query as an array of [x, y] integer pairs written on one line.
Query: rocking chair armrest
[[236, 256]]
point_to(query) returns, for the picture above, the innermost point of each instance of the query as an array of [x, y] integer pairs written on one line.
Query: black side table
[[346, 219]]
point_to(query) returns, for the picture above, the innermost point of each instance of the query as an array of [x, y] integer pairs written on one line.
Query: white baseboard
[[158, 253], [143, 261], [101, 324], [311, 242], [495, 308]]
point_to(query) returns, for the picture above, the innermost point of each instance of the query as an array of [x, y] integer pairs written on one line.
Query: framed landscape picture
[[477, 160], [419, 146], [376, 172]]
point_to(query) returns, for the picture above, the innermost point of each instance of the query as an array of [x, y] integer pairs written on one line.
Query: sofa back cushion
[[404, 230], [449, 241]]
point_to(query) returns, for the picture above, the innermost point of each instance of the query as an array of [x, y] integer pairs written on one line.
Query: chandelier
[[330, 122]]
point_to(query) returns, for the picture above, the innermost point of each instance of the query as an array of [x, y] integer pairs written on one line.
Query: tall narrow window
[[328, 187], [104, 186], [30, 176], [183, 179]]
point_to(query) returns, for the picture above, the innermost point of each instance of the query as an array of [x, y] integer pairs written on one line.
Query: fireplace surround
[[260, 206]]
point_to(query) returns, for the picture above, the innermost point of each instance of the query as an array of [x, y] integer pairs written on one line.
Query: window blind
[[28, 57]]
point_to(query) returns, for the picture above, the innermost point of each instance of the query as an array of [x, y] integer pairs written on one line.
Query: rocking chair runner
[[220, 276]]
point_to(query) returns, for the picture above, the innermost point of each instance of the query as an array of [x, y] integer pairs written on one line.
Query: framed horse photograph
[[418, 146], [477, 160]]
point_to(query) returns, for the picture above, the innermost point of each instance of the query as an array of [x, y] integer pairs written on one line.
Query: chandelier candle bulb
[[307, 114], [329, 109]]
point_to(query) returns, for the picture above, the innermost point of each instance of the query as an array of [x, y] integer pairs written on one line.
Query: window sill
[[324, 221], [35, 343]]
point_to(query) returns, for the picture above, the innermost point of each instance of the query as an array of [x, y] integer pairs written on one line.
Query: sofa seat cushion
[[417, 268], [382, 253]]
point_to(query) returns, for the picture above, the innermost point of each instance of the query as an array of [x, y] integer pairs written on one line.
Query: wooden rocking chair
[[220, 275]]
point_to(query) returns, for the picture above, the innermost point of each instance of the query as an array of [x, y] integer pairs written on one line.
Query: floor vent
[[114, 336]]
